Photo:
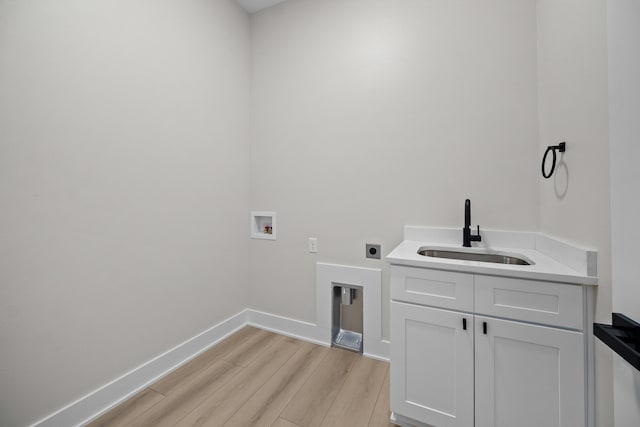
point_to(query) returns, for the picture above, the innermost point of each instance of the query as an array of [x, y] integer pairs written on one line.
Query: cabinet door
[[432, 365], [528, 375]]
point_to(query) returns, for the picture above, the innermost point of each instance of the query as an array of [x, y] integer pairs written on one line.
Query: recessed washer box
[[263, 225]]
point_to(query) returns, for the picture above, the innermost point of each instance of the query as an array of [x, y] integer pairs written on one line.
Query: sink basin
[[484, 256]]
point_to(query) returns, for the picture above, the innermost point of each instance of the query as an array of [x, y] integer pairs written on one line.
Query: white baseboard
[[98, 402], [108, 396], [405, 422], [305, 331], [383, 351]]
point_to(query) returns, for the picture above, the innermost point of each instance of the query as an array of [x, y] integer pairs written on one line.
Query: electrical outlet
[[313, 244], [373, 251]]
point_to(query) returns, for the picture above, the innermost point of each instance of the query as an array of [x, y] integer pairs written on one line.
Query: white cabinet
[[528, 375], [435, 387], [461, 365]]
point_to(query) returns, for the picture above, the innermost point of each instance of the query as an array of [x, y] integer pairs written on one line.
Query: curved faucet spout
[[467, 213]]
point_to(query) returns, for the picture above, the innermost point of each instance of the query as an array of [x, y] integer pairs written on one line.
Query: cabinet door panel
[[528, 375], [432, 368]]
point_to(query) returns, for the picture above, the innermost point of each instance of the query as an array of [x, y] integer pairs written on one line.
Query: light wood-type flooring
[[258, 378]]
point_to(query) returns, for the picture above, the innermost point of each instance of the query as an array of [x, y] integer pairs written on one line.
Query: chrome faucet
[[467, 237]]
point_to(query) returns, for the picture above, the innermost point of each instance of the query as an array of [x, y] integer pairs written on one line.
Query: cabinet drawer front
[[432, 287], [531, 301]]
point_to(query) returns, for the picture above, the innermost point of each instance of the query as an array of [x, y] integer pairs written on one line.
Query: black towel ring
[[562, 147]]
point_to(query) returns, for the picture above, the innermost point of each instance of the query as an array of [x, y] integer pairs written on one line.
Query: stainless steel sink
[[494, 257]]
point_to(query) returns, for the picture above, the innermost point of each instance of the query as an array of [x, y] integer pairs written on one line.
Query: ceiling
[[256, 5]]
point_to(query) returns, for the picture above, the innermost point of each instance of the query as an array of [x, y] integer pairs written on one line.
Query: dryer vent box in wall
[[263, 225]]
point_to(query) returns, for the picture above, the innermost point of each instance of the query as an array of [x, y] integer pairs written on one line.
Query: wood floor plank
[[310, 405], [187, 396], [247, 351], [280, 422], [128, 410], [264, 407], [382, 412], [257, 378], [357, 397], [217, 408], [229, 345]]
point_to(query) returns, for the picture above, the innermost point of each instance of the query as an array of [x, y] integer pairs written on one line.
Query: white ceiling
[[256, 5]]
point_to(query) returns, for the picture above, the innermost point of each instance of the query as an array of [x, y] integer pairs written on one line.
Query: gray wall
[[125, 166], [574, 204], [624, 131], [124, 188], [368, 115], [372, 114]]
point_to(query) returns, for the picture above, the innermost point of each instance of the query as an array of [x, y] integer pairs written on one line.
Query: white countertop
[[545, 267]]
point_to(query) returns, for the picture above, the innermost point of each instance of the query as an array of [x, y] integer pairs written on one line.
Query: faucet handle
[[477, 237]]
